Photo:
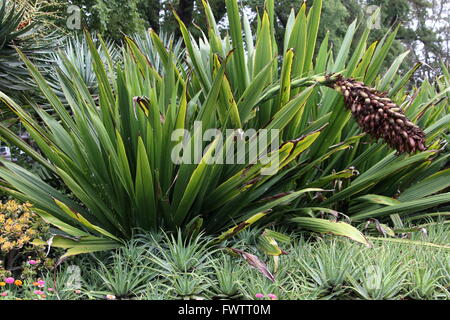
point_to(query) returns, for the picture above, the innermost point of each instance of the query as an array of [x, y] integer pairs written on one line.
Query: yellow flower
[[18, 283], [2, 284], [7, 246], [24, 239], [23, 220]]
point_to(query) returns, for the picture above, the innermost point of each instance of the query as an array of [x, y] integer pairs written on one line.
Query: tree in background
[[424, 24], [336, 16], [150, 11], [429, 34], [113, 18], [189, 11]]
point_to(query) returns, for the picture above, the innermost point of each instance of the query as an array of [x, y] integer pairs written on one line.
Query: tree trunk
[[185, 11], [151, 9]]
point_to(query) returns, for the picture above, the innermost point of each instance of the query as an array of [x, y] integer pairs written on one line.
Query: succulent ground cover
[[158, 266]]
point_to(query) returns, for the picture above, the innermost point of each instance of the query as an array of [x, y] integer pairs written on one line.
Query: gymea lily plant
[[115, 153]]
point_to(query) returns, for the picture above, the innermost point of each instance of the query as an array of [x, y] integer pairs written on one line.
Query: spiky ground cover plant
[[328, 266], [114, 153], [227, 274], [424, 284], [381, 276], [123, 277], [337, 268]]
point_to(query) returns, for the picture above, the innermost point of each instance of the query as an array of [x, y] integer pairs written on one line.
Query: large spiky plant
[[19, 31], [114, 153], [75, 51]]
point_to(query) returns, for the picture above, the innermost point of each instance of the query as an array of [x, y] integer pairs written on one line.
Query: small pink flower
[[259, 295], [272, 296], [32, 262], [9, 280], [50, 289], [41, 283], [77, 291], [38, 292], [4, 294]]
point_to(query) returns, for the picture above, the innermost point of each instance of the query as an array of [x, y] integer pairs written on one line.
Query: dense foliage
[[112, 150], [236, 149]]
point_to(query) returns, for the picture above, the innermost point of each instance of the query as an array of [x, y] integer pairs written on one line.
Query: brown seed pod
[[378, 115]]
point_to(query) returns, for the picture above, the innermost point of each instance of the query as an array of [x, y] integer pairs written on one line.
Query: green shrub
[[114, 153]]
